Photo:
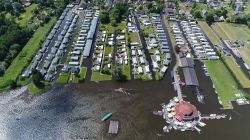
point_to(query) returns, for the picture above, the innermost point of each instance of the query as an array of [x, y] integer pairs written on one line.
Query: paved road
[[144, 45]]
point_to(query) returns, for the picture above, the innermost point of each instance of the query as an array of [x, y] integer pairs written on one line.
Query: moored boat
[[105, 117]]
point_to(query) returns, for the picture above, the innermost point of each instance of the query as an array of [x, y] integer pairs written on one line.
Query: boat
[[201, 124], [107, 116], [230, 118]]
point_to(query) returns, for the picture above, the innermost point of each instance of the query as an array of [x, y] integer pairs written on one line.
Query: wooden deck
[[113, 127]]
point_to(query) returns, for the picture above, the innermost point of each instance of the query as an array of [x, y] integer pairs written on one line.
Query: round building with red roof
[[186, 112]]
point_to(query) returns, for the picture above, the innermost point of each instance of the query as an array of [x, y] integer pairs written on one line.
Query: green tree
[[104, 16], [37, 78], [210, 16], [119, 76]]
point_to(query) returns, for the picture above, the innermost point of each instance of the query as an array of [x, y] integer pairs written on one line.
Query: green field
[[229, 31], [208, 31], [33, 90], [26, 55], [223, 81], [98, 76], [238, 72], [245, 54], [108, 50], [27, 14], [81, 76], [111, 29], [183, 7], [247, 8], [134, 37], [63, 78]]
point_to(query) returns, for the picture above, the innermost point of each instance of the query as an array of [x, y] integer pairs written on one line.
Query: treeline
[[57, 5], [241, 19], [210, 12], [15, 7], [115, 15], [154, 6], [12, 39]]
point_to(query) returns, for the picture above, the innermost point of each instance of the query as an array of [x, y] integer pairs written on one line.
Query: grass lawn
[[237, 71], [111, 29], [245, 53], [126, 71], [142, 77], [24, 57], [108, 50], [81, 76], [220, 32], [182, 6], [27, 14], [223, 81], [158, 76], [98, 76], [209, 32], [247, 8], [33, 90], [63, 78], [233, 31], [134, 37]]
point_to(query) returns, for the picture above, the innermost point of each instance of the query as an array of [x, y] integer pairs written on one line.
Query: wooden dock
[[113, 127]]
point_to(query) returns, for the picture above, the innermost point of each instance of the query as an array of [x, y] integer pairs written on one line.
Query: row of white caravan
[[139, 62], [122, 50], [198, 41], [82, 44]]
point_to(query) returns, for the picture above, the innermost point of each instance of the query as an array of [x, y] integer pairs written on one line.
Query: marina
[[183, 116]]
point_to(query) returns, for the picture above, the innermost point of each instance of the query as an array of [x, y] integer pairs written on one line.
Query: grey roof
[[53, 50], [43, 49], [60, 38], [62, 46], [190, 77], [57, 44], [63, 32], [52, 68], [26, 74], [187, 62], [65, 40], [39, 56], [43, 72], [87, 48], [48, 77], [55, 60], [92, 29], [166, 62], [46, 65], [50, 36], [59, 53], [34, 64], [50, 57], [47, 43], [74, 69]]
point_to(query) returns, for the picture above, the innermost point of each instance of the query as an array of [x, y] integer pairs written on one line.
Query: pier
[[200, 97], [213, 117], [177, 85]]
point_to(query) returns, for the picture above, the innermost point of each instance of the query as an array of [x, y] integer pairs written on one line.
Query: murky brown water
[[75, 111]]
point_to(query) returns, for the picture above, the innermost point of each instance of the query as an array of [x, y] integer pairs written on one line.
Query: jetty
[[113, 127], [213, 117]]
